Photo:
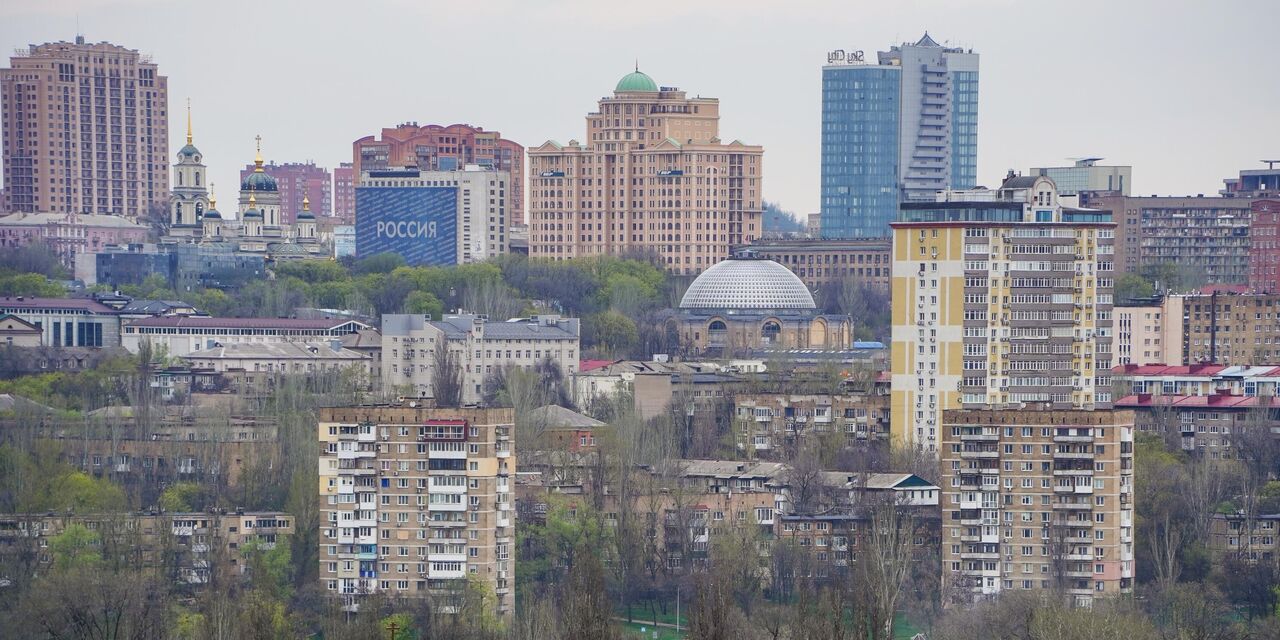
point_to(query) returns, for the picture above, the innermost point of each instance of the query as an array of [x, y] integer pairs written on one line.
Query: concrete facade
[[1203, 233], [480, 348]]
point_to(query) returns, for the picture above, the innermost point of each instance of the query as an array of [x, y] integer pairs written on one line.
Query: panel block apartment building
[[1037, 500], [416, 502]]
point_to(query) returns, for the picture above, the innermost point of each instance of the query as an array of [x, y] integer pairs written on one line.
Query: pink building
[[435, 148], [1264, 246], [69, 234], [344, 193], [296, 179]]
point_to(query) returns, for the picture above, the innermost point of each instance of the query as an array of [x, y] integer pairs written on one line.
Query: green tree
[[379, 263], [610, 333], [1131, 286], [29, 284], [83, 493], [425, 303], [76, 549], [181, 496]]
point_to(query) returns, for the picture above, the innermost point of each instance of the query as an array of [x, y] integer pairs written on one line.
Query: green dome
[[188, 151], [251, 214], [636, 81]]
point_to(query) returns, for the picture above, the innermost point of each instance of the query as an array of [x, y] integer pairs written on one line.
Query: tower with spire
[[259, 192], [189, 198]]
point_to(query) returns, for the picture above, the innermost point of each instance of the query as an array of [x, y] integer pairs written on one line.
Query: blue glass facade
[[860, 129], [964, 129]]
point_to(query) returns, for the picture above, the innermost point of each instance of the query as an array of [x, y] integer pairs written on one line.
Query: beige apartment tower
[[1000, 298], [86, 130], [416, 502], [1036, 500], [653, 176]]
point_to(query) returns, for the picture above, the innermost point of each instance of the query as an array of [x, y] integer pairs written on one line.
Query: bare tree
[[446, 383]]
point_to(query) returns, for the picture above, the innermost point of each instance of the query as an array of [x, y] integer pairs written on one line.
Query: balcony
[[1068, 439], [1078, 574], [1073, 472], [979, 555], [1067, 506], [1072, 455], [979, 455], [1085, 524], [979, 437]]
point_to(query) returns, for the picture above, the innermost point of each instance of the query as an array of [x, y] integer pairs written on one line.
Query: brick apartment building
[[414, 502], [1037, 500]]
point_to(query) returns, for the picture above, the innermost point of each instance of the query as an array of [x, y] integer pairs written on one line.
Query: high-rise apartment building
[[1037, 500], [1087, 175], [653, 176], [416, 502], [443, 148], [1205, 234], [1000, 297], [901, 129], [295, 181], [86, 130], [344, 193]]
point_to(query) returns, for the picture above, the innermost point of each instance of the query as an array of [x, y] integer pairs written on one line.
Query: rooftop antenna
[[1271, 164]]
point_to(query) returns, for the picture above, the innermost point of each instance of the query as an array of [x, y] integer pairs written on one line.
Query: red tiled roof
[[1168, 370], [244, 323], [1210, 289], [23, 302], [1217, 400], [589, 365]]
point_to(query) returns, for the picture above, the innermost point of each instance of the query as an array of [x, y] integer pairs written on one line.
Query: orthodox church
[[258, 227]]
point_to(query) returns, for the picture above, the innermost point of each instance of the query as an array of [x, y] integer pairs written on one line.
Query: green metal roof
[[636, 81]]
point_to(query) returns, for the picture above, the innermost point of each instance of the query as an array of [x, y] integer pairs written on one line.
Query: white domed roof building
[[747, 304]]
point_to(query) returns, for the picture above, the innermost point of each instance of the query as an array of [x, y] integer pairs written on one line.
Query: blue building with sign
[[417, 222], [900, 129]]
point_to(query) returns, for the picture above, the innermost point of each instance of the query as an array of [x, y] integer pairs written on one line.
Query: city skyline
[[1132, 115]]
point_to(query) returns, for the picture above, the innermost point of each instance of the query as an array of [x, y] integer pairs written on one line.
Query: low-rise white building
[[180, 336], [480, 347], [305, 358]]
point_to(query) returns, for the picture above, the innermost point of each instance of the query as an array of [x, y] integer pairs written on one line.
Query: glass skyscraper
[[903, 128], [860, 114]]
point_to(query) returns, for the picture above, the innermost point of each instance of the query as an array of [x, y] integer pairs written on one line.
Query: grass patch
[[632, 632]]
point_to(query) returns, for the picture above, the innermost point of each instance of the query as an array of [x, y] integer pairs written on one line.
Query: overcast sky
[[1186, 91]]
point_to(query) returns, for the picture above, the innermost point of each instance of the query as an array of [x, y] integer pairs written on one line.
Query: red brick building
[[344, 193], [1264, 246], [444, 148], [295, 180]]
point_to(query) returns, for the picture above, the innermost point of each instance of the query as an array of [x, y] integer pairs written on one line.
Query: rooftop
[[20, 303], [557, 417], [204, 322], [747, 283], [85, 219], [277, 350]]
